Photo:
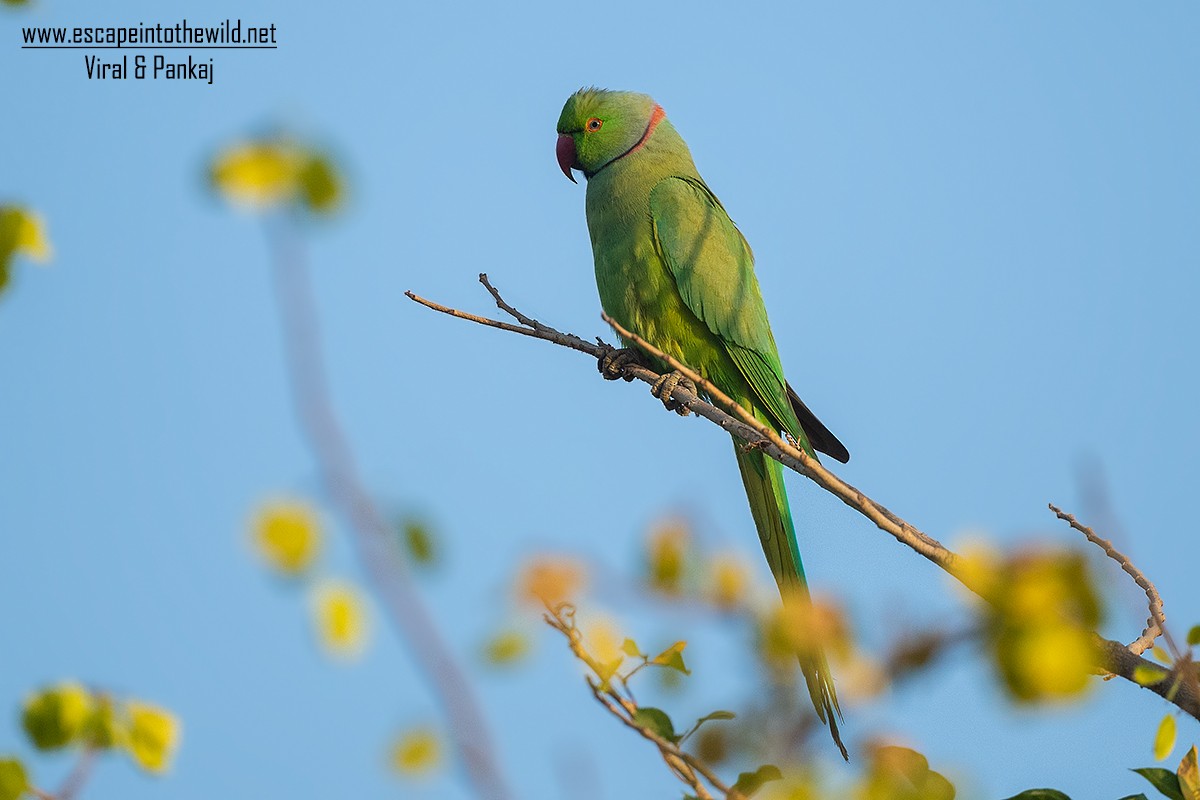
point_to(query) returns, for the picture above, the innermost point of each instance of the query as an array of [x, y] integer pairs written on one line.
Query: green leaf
[[706, 718], [1138, 796], [672, 657], [419, 542], [1146, 675], [506, 647], [630, 647], [606, 671], [320, 185], [14, 781], [1164, 780], [1193, 637], [750, 782], [1040, 794], [656, 720], [1164, 738]]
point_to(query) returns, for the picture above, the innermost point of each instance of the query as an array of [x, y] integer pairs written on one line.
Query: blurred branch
[[79, 775], [373, 535], [1177, 687]]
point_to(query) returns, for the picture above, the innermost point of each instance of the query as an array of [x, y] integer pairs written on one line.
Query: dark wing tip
[[820, 437]]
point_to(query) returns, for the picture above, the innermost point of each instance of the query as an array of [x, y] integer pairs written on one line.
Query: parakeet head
[[597, 127]]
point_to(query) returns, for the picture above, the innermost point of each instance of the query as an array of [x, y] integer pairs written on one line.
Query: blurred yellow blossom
[[728, 581], [416, 752], [340, 618], [602, 638], [667, 547], [800, 626], [287, 535], [550, 580], [269, 172]]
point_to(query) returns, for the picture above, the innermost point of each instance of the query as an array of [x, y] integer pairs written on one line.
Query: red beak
[[565, 150]]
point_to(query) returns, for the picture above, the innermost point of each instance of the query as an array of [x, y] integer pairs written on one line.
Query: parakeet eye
[[594, 124]]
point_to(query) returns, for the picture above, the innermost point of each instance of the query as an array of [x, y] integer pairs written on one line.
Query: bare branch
[[1156, 624], [1178, 687], [373, 535]]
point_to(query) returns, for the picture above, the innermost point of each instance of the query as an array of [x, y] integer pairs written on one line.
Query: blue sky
[[975, 230]]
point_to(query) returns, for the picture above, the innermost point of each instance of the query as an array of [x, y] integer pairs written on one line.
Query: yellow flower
[[287, 534], [258, 174], [416, 752], [340, 617], [266, 173]]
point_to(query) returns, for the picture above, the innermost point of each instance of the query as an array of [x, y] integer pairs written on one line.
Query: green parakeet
[[673, 268]]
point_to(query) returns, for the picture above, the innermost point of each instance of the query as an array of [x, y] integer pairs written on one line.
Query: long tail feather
[[763, 479]]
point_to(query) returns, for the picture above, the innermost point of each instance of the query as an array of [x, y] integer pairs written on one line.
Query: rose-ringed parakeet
[[673, 268]]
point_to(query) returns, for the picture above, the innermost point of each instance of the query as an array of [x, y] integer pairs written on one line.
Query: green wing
[[714, 270]]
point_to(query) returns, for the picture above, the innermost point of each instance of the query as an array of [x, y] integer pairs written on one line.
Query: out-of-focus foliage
[[1164, 738], [1193, 636], [728, 581], [803, 627], [898, 773], [16, 2], [153, 736], [1040, 611], [550, 580], [340, 618], [56, 716], [22, 232], [262, 174], [14, 780], [69, 715], [287, 535], [667, 553], [416, 752], [419, 541], [506, 647]]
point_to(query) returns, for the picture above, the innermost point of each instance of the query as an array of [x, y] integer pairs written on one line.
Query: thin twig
[[79, 775], [373, 535], [683, 765], [1156, 625], [1113, 656]]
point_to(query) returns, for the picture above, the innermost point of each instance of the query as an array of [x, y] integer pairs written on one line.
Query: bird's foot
[[614, 361], [665, 386]]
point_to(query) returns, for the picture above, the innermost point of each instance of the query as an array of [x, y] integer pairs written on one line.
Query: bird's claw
[[614, 361], [665, 386]]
